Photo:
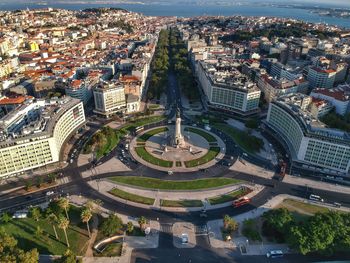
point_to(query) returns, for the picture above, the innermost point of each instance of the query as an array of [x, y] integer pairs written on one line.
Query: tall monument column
[[179, 139]]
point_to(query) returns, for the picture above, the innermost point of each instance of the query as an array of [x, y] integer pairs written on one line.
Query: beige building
[[109, 99]]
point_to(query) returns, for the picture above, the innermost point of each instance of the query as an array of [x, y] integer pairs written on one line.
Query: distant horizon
[[334, 3], [191, 8]]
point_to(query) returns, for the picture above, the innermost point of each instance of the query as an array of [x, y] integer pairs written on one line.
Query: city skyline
[[135, 138]]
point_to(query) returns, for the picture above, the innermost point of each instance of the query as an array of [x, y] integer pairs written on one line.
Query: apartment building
[[109, 99], [33, 135], [226, 90], [309, 141]]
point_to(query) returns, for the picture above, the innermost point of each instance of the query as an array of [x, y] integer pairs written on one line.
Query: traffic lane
[[199, 255]]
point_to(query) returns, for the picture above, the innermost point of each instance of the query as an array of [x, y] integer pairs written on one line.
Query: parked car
[[184, 238]]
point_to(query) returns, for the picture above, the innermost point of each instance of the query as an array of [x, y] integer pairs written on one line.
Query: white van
[[316, 198], [274, 254]]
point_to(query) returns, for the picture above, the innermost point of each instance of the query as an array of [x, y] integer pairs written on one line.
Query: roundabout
[[198, 149]]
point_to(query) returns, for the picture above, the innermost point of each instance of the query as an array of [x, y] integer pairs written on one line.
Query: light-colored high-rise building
[[109, 99], [33, 135], [309, 141], [321, 78], [228, 91]]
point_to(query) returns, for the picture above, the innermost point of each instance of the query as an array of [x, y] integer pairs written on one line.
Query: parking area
[[184, 235]]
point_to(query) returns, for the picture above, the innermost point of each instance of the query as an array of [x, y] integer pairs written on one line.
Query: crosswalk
[[166, 228], [198, 229]]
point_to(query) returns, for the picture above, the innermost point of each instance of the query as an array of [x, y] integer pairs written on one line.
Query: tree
[[226, 221], [278, 218], [35, 213], [39, 181], [52, 218], [232, 225], [9, 252], [63, 224], [5, 218], [67, 257], [28, 184], [130, 227], [55, 208], [38, 232], [111, 225], [64, 204], [51, 178], [85, 218], [142, 222]]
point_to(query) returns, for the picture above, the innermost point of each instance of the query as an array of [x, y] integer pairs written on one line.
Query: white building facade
[[31, 148]]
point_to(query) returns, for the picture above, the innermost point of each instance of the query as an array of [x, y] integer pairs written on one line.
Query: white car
[[20, 215], [49, 193], [184, 238]]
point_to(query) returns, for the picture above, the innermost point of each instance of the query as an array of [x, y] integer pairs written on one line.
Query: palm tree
[[63, 224], [142, 222], [35, 213], [52, 218], [64, 204], [227, 220], [85, 218]]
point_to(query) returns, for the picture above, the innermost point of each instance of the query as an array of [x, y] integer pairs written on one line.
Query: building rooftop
[[341, 93], [33, 119], [226, 75], [298, 105]]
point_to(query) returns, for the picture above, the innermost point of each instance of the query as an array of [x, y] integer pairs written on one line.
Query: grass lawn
[[302, 208], [111, 142], [24, 231], [140, 122], [141, 151], [210, 155], [228, 197], [181, 203], [132, 197], [178, 164], [249, 143], [144, 137], [111, 250], [152, 183], [205, 135]]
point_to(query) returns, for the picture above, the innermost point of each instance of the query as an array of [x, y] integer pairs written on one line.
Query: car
[[203, 214], [20, 215], [184, 238], [71, 160], [50, 193], [337, 204], [316, 198], [28, 197], [241, 201], [274, 254]]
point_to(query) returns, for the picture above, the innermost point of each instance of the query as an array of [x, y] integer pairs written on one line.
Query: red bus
[[240, 202]]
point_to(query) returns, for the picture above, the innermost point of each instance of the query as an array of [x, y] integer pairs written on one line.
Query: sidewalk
[[104, 186], [112, 165]]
